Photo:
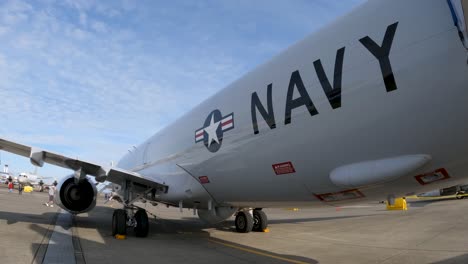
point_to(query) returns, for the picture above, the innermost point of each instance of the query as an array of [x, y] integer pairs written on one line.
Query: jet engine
[[75, 197], [218, 214]]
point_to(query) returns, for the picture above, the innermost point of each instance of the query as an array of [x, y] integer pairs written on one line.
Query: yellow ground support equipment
[[27, 189], [400, 204]]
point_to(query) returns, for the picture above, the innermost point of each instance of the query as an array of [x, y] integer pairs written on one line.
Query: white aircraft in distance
[[30, 178], [371, 107], [4, 176]]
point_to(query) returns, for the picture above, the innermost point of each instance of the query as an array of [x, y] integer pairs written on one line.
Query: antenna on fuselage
[[131, 149]]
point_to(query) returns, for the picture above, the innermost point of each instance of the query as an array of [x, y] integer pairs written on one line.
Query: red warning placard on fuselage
[[283, 168], [437, 175], [340, 196], [204, 179]]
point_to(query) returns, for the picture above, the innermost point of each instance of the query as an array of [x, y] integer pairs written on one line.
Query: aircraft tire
[[260, 221], [142, 227], [119, 222], [244, 222]]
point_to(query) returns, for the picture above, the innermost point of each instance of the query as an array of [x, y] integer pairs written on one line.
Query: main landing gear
[[119, 222], [251, 220], [123, 218]]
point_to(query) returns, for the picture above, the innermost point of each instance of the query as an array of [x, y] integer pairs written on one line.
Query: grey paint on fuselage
[[424, 115]]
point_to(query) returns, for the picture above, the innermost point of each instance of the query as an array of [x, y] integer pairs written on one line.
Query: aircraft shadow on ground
[[187, 233], [422, 203], [37, 223], [229, 225], [13, 218], [178, 234], [313, 219], [462, 259], [192, 224]]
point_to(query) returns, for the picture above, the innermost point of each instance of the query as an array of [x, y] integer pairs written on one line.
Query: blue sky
[[90, 79]]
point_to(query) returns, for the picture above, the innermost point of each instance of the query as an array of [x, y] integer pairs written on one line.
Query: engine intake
[[76, 198]]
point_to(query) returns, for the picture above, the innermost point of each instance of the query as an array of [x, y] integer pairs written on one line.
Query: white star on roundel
[[211, 131]]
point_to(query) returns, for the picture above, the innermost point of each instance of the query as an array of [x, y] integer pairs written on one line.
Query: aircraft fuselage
[[372, 88]]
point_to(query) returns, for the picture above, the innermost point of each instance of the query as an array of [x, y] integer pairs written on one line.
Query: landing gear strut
[[131, 215]]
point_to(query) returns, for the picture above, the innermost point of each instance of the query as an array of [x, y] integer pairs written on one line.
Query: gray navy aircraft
[[371, 107]]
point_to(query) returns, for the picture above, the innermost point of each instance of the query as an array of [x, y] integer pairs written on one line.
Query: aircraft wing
[[81, 168]]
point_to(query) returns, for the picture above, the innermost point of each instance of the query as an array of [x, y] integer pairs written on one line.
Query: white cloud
[[14, 12], [99, 27], [83, 19]]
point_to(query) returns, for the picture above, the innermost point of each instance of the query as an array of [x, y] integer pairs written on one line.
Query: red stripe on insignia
[[227, 122], [199, 134]]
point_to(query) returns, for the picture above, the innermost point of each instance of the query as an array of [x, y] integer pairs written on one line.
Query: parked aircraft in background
[[4, 176], [370, 107], [30, 178]]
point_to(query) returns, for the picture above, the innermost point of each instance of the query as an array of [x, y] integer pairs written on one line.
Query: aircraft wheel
[[244, 222], [142, 225], [119, 222], [260, 221]]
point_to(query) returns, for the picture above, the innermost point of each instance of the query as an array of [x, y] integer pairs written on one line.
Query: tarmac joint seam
[[42, 249], [79, 256]]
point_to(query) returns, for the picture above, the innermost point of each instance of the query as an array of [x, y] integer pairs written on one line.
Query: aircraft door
[[146, 156]]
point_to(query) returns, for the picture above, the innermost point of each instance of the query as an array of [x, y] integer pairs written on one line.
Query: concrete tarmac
[[429, 232], [25, 225]]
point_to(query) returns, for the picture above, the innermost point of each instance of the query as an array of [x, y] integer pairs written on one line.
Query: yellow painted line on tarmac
[[429, 198], [257, 252]]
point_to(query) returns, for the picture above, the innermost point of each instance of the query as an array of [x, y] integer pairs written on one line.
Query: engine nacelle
[[218, 214], [76, 198]]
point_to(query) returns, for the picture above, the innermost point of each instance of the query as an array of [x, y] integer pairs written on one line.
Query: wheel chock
[[400, 204], [266, 230], [120, 237]]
